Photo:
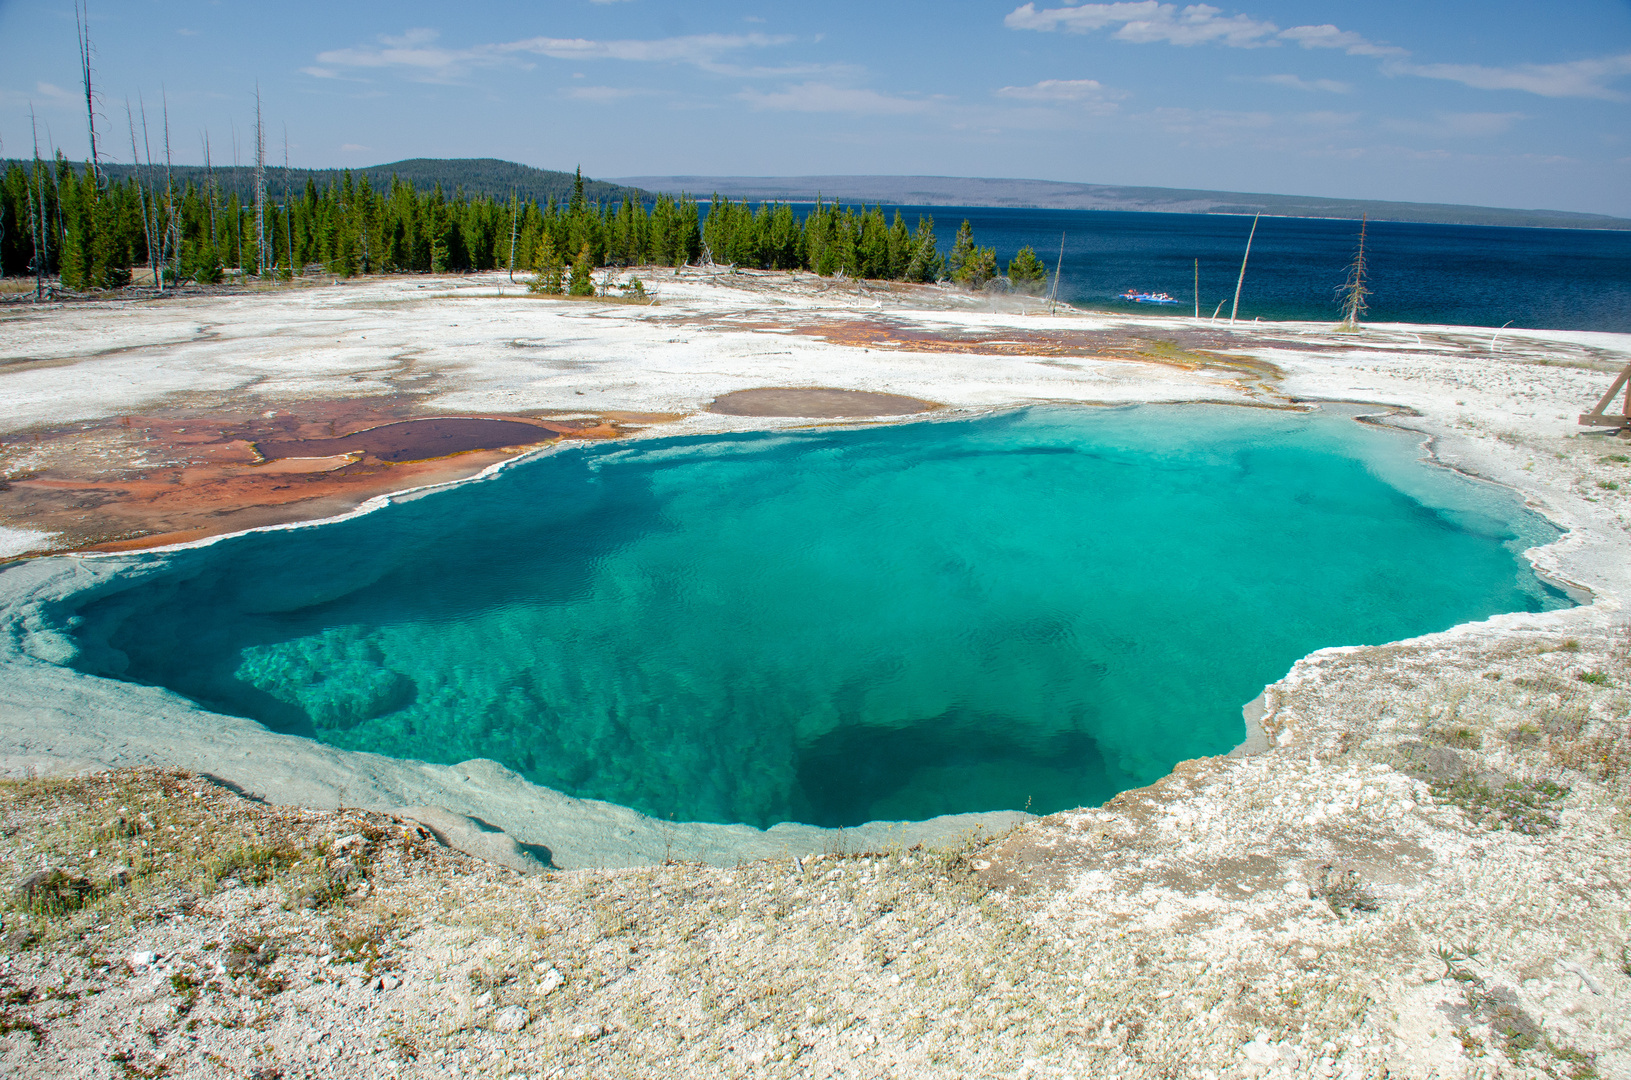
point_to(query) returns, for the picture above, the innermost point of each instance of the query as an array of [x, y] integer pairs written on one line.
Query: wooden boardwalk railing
[[1599, 416]]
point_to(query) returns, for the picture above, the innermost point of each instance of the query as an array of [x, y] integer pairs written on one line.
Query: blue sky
[[1500, 102]]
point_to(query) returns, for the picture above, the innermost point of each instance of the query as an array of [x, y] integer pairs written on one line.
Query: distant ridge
[[1054, 195], [477, 176]]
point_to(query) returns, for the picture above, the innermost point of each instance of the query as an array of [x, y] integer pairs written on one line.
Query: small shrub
[[1343, 891], [248, 956], [53, 892], [1608, 485], [1524, 735], [1593, 678], [251, 865]]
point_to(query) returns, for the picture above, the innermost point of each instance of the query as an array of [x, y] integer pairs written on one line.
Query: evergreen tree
[[925, 263], [583, 284], [548, 270], [900, 247], [962, 252], [1026, 272], [438, 222], [969, 264]]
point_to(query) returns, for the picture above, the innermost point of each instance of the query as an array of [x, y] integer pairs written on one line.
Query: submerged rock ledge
[[1423, 873]]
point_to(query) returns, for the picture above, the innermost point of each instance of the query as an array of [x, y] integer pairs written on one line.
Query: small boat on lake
[[1147, 297]]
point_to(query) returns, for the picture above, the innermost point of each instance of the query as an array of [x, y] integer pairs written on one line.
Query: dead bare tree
[[288, 215], [237, 186], [172, 235], [1053, 297], [1353, 290], [209, 194], [141, 198], [162, 234], [515, 210], [1242, 279], [82, 25], [36, 225], [263, 256]]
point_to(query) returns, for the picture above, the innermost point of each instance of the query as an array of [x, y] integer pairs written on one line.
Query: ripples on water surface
[[1034, 609]]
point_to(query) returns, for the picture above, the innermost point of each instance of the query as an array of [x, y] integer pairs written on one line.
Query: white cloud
[[1326, 36], [1463, 125], [1575, 78], [1196, 24], [45, 94], [1147, 21], [1326, 119], [603, 95], [1055, 90], [417, 53], [1085, 92], [827, 98], [1329, 86], [1210, 122]]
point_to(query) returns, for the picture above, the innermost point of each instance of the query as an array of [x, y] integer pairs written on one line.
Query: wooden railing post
[[1599, 416]]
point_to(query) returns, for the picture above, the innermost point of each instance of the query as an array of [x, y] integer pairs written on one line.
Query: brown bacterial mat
[[414, 440], [816, 401]]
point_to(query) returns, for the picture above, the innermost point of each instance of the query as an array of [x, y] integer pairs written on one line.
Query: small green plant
[[1570, 645], [10, 1023], [1528, 807], [1618, 459], [1582, 1066], [363, 947], [1592, 678], [1454, 961], [1463, 737], [1608, 485], [186, 988]]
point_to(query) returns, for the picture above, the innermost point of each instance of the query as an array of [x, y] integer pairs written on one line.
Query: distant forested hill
[[490, 177], [1053, 195]]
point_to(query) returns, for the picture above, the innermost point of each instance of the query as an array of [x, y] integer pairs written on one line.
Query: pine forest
[[77, 225]]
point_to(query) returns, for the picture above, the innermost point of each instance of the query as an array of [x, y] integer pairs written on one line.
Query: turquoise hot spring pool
[[1035, 609]]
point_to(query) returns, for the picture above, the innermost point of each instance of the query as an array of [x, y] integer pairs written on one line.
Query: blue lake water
[[1464, 275], [1034, 609]]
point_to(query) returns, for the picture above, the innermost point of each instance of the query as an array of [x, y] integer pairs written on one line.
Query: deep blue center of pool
[[1037, 609]]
